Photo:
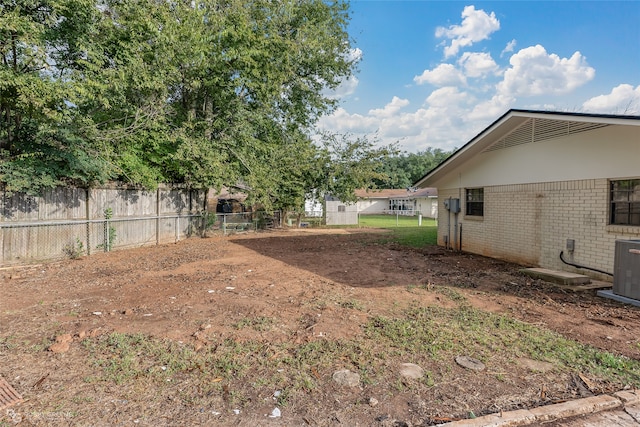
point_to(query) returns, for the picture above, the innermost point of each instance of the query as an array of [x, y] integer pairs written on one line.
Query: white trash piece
[[275, 413]]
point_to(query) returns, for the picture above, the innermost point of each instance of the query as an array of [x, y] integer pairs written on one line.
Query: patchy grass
[[291, 325], [415, 237], [430, 336], [404, 229]]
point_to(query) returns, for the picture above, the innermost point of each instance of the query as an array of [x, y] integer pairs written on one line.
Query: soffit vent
[[536, 130]]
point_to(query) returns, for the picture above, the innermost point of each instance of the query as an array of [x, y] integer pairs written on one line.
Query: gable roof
[[402, 193], [517, 127]]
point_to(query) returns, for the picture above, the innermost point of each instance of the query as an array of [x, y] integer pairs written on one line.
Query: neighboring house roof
[[513, 128], [411, 193]]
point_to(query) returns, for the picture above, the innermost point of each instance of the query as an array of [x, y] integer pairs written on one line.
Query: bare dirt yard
[[254, 330]]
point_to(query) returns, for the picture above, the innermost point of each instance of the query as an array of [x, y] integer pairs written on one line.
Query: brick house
[[535, 183]]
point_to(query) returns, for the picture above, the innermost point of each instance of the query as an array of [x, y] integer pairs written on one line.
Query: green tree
[[403, 170], [205, 93], [333, 165], [210, 93], [41, 41]]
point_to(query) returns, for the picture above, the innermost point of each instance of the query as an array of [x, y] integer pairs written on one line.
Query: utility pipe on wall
[[455, 230], [583, 266], [449, 224]]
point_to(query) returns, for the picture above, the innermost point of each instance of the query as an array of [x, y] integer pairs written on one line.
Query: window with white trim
[[625, 202], [474, 205]]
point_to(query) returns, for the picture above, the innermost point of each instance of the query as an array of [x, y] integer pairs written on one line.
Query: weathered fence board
[[72, 220]]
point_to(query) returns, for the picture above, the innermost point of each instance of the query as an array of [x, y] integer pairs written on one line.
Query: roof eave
[[498, 127]]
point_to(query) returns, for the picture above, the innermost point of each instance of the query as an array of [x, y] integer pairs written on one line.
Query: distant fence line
[[74, 221]]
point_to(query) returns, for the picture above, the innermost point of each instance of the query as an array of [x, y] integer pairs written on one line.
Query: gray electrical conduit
[[582, 266]]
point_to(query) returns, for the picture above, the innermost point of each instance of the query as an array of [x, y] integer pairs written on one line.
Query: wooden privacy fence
[[68, 222]]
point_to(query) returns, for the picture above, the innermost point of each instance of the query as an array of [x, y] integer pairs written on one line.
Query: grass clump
[[259, 323], [429, 336]]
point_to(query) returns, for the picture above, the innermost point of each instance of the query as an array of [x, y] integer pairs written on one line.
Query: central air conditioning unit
[[626, 269]]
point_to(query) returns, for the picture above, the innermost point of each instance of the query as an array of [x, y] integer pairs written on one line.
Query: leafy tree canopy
[[404, 169], [198, 92]]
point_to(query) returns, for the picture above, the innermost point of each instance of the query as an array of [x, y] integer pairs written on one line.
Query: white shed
[[340, 213]]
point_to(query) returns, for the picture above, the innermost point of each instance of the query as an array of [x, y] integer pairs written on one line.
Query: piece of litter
[[275, 413], [249, 271], [147, 314], [97, 313], [164, 368], [277, 393], [211, 291], [230, 288], [215, 412], [236, 411]]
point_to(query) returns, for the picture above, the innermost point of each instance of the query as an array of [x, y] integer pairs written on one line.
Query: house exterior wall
[[530, 224], [610, 152], [427, 206], [373, 206], [538, 195]]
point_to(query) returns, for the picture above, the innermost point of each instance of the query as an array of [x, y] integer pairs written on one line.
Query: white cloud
[[474, 90], [343, 122], [442, 75], [349, 85], [510, 47], [344, 89], [623, 99], [476, 26], [441, 122], [447, 97], [535, 72], [390, 109], [491, 109], [355, 55], [478, 64]]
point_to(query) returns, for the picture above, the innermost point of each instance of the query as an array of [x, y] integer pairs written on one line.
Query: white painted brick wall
[[530, 224]]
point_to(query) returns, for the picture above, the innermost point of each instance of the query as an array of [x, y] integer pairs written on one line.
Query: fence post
[[88, 216], [106, 235], [158, 216]]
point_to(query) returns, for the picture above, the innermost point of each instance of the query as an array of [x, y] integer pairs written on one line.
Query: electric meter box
[[452, 205]]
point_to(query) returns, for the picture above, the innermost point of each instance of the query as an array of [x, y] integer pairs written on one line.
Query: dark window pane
[[625, 202], [475, 202]]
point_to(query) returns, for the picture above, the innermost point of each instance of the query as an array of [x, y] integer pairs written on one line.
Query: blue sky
[[436, 73]]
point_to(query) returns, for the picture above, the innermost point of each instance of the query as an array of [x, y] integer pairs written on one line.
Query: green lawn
[[405, 228]]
